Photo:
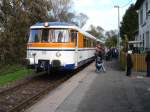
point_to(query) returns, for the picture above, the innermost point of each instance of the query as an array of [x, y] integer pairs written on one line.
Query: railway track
[[19, 97]]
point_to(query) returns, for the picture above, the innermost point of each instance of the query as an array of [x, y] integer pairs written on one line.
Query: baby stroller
[[99, 64]]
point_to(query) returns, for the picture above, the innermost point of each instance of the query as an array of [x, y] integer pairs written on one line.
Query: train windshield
[[49, 35]]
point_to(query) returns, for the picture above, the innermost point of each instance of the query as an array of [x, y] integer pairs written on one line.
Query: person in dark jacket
[[129, 63], [147, 59], [99, 62]]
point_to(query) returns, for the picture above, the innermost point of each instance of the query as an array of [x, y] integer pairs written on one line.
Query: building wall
[[144, 24], [137, 38]]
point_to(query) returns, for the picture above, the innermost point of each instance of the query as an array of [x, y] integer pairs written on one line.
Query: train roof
[[61, 25]]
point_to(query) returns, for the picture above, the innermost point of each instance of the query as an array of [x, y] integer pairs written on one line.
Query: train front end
[[51, 46]]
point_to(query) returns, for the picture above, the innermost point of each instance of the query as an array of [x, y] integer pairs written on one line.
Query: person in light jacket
[[129, 63], [147, 59]]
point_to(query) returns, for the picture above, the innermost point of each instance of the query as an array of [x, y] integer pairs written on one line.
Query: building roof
[[138, 4]]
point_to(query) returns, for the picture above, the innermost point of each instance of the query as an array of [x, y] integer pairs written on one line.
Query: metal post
[[76, 50], [118, 43]]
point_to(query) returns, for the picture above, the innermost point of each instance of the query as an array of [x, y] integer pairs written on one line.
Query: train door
[[74, 39], [76, 49]]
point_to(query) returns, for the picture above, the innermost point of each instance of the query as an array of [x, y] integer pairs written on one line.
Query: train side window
[[87, 42], [84, 41], [63, 36], [73, 36], [91, 43], [35, 35], [66, 36], [51, 36], [60, 37], [94, 43], [45, 35], [36, 38], [76, 36]]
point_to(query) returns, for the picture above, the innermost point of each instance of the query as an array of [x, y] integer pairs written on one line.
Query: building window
[[141, 16], [147, 40], [140, 40], [143, 41], [146, 9]]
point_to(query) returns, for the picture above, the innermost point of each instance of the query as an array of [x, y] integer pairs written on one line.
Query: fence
[[139, 63]]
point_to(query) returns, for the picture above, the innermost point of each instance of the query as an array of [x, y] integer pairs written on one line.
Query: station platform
[[89, 91]]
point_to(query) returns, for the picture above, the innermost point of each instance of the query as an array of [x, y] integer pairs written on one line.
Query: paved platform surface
[[99, 92]]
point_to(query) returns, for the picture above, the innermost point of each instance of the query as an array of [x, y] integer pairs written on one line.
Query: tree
[[125, 43], [60, 10], [130, 23], [81, 19], [37, 10], [15, 18], [111, 33], [111, 40], [96, 31]]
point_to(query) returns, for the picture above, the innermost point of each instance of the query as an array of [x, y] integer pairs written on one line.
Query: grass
[[5, 69], [13, 73]]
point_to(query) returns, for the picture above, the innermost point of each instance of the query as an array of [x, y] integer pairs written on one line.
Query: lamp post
[[118, 43]]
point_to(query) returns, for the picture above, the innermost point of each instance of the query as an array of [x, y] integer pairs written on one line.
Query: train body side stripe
[[58, 49], [54, 45], [51, 49]]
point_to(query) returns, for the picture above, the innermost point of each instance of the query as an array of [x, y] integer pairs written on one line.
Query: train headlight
[[58, 54]]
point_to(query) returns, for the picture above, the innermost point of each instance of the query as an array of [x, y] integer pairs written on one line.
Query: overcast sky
[[102, 12]]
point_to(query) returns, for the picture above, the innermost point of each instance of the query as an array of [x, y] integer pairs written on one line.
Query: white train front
[[59, 45]]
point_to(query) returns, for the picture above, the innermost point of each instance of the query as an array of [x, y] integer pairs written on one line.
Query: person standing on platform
[[147, 59], [99, 62], [129, 63]]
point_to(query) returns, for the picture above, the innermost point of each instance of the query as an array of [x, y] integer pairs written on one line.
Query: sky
[[102, 12]]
